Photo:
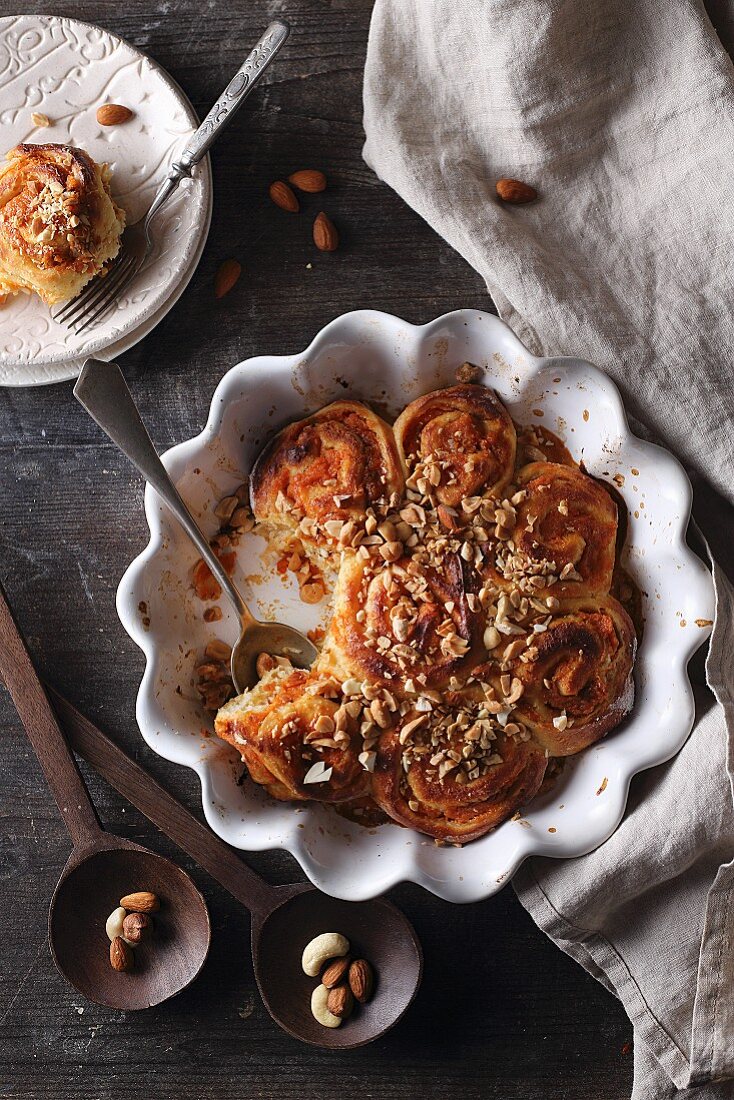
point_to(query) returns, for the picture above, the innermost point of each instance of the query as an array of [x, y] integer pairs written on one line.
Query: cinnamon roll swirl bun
[[579, 685], [454, 775], [326, 469], [58, 222], [401, 622], [565, 527], [459, 441], [286, 733]]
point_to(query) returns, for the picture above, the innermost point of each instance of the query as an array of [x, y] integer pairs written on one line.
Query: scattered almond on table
[[284, 196], [311, 181], [325, 235], [39, 119], [308, 179], [227, 275]]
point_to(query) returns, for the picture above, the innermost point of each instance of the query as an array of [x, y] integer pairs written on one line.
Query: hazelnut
[[135, 927]]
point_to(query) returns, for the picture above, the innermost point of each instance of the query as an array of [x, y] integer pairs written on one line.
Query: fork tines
[[99, 296]]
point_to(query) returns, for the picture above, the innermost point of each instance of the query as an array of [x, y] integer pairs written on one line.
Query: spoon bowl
[[90, 887], [377, 932], [276, 639]]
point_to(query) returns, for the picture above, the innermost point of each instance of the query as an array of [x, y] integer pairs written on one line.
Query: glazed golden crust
[[58, 222], [459, 804], [473, 637], [465, 434], [579, 686], [281, 729], [331, 466], [567, 521], [415, 622]]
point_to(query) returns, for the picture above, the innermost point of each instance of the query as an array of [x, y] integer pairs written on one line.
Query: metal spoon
[[102, 390], [103, 868]]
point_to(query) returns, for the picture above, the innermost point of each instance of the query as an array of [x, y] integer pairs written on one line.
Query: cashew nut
[[320, 1012], [113, 926], [329, 945]]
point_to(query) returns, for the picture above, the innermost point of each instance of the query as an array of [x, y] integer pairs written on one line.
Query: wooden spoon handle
[[44, 734], [197, 840]]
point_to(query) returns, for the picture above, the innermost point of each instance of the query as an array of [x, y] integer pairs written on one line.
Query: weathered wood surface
[[502, 1013]]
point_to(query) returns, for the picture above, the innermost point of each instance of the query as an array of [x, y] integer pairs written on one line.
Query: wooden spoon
[[102, 869], [284, 918]]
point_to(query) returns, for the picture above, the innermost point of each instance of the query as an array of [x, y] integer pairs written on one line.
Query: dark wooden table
[[502, 1013]]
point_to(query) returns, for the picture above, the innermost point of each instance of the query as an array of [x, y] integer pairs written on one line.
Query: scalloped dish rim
[[584, 808]]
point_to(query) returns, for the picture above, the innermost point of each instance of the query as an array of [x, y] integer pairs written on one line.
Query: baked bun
[[58, 222], [283, 727], [329, 468], [473, 636], [579, 684], [414, 622], [454, 773], [567, 522], [457, 443]]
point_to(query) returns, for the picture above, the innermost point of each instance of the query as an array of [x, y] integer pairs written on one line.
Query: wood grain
[[502, 1014]]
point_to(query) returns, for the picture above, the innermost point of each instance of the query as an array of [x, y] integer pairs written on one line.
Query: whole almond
[[284, 196], [135, 926], [361, 980], [447, 520], [228, 274], [335, 972], [142, 901], [121, 957], [112, 114], [325, 235], [308, 179], [340, 1001], [515, 191]]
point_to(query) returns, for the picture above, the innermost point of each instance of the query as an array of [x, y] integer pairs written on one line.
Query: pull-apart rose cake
[[473, 637]]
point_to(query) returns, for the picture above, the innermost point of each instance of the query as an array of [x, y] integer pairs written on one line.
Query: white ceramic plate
[[66, 69], [381, 359]]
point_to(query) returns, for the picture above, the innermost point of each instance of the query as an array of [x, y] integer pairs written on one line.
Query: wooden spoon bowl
[[102, 868], [377, 932], [166, 962]]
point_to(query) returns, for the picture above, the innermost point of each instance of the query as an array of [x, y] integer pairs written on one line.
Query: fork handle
[[229, 102], [232, 98]]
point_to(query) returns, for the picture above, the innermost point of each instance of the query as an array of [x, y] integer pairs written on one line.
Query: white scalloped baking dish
[[382, 359]]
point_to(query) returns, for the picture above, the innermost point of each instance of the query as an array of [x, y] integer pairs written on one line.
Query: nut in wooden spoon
[[102, 868], [102, 390]]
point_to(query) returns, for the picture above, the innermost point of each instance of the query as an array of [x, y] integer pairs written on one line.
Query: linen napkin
[[621, 113]]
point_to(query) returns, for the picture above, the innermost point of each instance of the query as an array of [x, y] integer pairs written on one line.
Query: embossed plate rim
[[114, 337]]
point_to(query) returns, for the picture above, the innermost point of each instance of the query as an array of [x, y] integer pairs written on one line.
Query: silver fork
[[103, 292]]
